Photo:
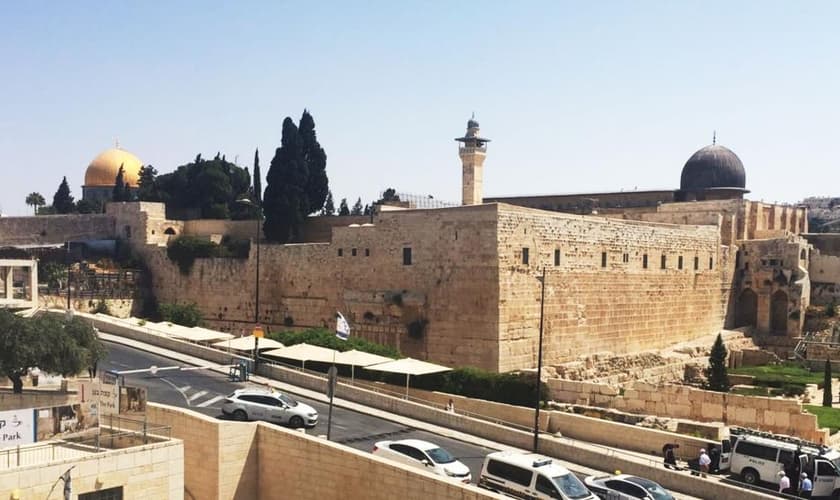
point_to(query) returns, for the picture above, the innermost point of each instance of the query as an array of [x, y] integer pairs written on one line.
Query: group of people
[[806, 486], [704, 461]]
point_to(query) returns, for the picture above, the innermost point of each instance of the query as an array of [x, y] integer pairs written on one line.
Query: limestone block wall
[[783, 416], [149, 471], [47, 229], [599, 294]]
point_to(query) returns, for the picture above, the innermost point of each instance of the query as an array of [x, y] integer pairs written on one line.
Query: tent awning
[[304, 352], [248, 343], [408, 366], [360, 358]]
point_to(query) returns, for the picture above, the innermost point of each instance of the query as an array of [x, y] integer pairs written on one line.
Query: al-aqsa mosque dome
[[101, 174], [712, 173]]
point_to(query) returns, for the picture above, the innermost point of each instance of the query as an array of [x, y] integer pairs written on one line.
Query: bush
[[831, 310], [185, 249], [101, 308], [511, 388], [181, 314]]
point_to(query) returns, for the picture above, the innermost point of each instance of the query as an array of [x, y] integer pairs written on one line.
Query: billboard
[[17, 427]]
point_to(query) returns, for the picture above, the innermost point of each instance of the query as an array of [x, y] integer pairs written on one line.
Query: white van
[[758, 458], [528, 475]]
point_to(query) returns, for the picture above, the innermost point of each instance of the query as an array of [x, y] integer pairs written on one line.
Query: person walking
[[450, 406], [806, 487], [784, 482], [668, 455], [704, 461]]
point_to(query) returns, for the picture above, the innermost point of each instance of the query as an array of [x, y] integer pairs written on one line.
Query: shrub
[[511, 388], [185, 249], [831, 310], [181, 314], [417, 328], [101, 308]]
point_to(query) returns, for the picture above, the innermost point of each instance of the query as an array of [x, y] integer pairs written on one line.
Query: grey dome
[[713, 167], [472, 123]]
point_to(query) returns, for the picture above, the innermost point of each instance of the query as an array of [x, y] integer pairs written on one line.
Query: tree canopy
[[716, 373], [285, 203], [343, 209], [317, 182], [35, 200], [257, 178], [121, 191], [62, 200], [147, 189], [358, 208], [329, 205], [53, 345]]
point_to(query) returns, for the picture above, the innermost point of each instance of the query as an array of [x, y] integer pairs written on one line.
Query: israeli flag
[[342, 327]]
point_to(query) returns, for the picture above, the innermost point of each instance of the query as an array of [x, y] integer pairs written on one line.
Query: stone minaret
[[472, 151]]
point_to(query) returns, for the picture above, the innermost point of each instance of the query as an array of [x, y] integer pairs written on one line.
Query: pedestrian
[[805, 486], [450, 406], [669, 456], [92, 370], [784, 482], [704, 462]]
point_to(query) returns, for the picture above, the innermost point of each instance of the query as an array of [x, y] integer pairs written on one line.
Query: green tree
[[368, 210], [35, 200], [118, 193], [257, 178], [147, 189], [389, 194], [317, 182], [63, 202], [285, 202], [342, 207], [827, 393], [52, 345], [205, 189], [329, 205], [180, 314], [716, 375], [358, 208], [89, 206]]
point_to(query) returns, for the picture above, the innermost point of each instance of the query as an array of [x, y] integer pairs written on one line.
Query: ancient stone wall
[[600, 294], [55, 229]]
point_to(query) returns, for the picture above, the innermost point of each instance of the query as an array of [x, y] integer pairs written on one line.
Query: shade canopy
[[248, 343], [360, 358], [408, 366], [194, 334], [304, 352]]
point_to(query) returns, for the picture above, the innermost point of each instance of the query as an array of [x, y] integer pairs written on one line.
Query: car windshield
[[286, 400], [658, 492], [440, 456], [571, 486]]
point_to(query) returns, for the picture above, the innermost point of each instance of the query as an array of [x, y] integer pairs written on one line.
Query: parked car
[[271, 406], [626, 487], [530, 476], [424, 455]]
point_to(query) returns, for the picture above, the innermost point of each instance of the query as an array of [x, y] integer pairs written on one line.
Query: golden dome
[[102, 171]]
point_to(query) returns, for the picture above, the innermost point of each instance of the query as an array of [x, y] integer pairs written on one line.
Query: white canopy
[[359, 358], [409, 367], [248, 343], [305, 352]]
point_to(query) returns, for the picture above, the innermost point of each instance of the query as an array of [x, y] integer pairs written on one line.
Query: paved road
[[204, 391]]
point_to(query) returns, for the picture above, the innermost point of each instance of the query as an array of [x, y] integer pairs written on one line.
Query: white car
[[625, 486], [275, 407], [424, 455]]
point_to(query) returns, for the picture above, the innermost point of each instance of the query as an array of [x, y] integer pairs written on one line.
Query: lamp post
[[539, 366], [67, 258], [246, 201]]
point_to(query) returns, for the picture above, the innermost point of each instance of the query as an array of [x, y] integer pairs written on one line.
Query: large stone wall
[[599, 295], [54, 229]]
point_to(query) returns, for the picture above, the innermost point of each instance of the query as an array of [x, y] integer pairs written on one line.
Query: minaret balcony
[[466, 150]]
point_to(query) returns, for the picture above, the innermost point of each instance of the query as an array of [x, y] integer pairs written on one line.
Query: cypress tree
[[716, 376], [358, 208], [118, 194], [285, 203], [317, 184], [827, 393], [329, 205], [257, 177], [368, 210], [147, 189], [342, 207], [62, 200]]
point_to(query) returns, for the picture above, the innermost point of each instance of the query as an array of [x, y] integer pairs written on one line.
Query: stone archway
[[747, 309], [170, 231], [779, 313]]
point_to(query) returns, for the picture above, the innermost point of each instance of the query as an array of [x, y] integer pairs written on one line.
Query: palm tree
[[35, 200]]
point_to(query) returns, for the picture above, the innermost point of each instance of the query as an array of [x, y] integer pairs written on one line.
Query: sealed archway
[[747, 311], [779, 313]]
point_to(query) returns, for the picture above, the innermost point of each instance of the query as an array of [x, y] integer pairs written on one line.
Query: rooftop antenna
[[117, 143], [714, 137]]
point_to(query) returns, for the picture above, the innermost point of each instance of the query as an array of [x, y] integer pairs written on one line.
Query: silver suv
[[275, 407]]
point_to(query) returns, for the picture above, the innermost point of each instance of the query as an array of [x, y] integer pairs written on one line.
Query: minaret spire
[[714, 137]]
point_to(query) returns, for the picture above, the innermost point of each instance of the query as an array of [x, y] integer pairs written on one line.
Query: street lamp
[[247, 202], [539, 365]]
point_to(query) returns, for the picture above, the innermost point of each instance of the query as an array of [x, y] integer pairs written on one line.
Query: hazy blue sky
[[576, 96]]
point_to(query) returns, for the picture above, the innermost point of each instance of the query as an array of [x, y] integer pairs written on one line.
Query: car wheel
[[240, 415], [750, 476], [296, 422]]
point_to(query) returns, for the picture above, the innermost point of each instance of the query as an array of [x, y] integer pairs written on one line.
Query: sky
[[576, 96]]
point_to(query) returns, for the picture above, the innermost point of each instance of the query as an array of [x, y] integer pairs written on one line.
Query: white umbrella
[[305, 352], [409, 367], [356, 358], [248, 343]]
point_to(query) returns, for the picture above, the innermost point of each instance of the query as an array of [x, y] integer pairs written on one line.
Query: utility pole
[[539, 367]]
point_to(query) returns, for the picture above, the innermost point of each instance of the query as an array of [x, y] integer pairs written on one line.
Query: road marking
[[210, 402], [196, 395], [178, 389], [184, 389]]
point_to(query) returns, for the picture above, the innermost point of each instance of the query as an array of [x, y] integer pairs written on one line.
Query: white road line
[[210, 402], [196, 396], [178, 389], [185, 388]]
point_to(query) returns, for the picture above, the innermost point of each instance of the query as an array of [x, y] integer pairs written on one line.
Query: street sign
[[258, 332]]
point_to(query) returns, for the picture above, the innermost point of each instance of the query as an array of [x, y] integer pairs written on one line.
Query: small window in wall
[[456, 235], [106, 494], [557, 257], [711, 263], [746, 266], [525, 255], [696, 263], [169, 231], [644, 261], [367, 252], [407, 256], [664, 262], [625, 258], [679, 262], [603, 259], [353, 252], [341, 252], [802, 254]]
